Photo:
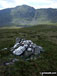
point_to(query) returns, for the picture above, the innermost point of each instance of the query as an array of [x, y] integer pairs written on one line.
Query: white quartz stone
[[15, 45], [19, 50], [29, 49]]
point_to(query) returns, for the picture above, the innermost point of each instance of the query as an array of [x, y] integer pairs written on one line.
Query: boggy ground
[[43, 35]]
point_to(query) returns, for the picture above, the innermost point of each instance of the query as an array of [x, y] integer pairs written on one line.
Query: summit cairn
[[26, 48]]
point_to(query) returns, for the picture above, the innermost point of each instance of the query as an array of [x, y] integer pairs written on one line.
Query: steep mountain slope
[[5, 17], [22, 14], [44, 16], [26, 15]]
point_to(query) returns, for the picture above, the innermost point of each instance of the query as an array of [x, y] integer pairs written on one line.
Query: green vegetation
[[43, 35]]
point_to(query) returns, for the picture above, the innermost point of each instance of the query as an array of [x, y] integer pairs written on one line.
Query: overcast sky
[[34, 3]]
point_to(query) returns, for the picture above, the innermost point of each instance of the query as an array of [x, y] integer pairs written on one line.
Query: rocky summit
[[22, 50], [26, 48]]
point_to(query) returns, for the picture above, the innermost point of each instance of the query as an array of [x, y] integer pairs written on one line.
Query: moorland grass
[[43, 35]]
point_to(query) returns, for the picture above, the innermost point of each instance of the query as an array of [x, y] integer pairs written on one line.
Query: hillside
[[43, 35], [26, 15]]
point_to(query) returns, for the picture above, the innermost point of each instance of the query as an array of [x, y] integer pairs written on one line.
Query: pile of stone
[[26, 48]]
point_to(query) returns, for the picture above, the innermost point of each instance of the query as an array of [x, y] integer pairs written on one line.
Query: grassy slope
[[43, 35]]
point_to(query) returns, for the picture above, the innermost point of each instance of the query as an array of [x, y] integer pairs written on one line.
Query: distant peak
[[50, 8], [24, 5]]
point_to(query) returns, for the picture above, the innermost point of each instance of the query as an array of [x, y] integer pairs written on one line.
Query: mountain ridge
[[27, 15]]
